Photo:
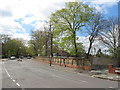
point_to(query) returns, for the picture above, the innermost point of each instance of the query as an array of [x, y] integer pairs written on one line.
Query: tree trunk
[[90, 46], [75, 46]]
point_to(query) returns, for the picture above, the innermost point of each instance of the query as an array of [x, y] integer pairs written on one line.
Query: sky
[[19, 17]]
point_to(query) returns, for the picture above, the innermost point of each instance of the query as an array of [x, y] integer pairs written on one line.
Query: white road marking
[[6, 70], [10, 76], [13, 80], [17, 84]]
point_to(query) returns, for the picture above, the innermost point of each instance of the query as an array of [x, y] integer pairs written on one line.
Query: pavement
[[102, 74], [34, 74]]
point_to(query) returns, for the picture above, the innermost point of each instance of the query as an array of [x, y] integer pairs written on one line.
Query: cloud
[[38, 8], [39, 25], [112, 2], [30, 20], [5, 13], [21, 35], [9, 26], [34, 12], [102, 5], [36, 22]]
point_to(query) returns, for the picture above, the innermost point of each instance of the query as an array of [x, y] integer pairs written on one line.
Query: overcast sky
[[19, 17]]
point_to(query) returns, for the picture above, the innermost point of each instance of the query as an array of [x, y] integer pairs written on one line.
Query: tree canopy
[[69, 20]]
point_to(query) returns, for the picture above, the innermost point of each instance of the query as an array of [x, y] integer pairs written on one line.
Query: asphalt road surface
[[33, 74]]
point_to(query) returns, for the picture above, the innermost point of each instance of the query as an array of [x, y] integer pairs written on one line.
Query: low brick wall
[[66, 62], [113, 70]]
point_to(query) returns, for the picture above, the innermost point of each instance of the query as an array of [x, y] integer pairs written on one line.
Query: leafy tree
[[14, 47], [30, 51], [69, 20], [42, 40], [81, 50], [4, 39], [37, 41]]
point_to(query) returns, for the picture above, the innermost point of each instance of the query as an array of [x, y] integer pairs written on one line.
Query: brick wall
[[67, 62], [113, 70]]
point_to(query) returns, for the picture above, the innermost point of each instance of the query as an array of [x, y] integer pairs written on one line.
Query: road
[[33, 74]]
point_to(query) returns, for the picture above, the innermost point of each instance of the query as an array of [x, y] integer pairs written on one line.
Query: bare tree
[[49, 33], [110, 36], [47, 39], [38, 41], [96, 25]]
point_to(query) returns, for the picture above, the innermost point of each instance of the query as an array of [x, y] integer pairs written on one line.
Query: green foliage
[[13, 47], [40, 42], [115, 53], [30, 51], [67, 22], [80, 48]]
